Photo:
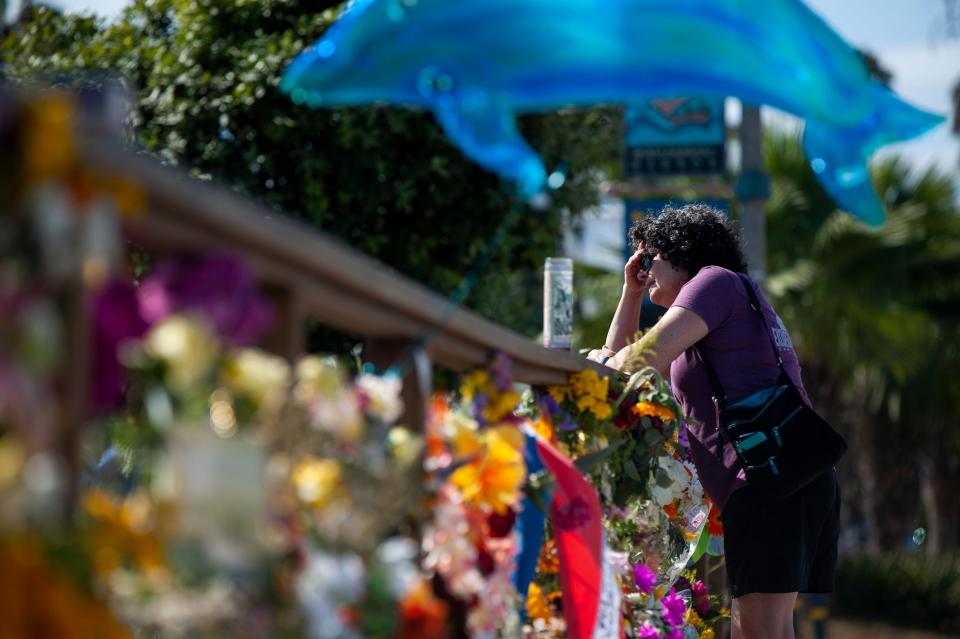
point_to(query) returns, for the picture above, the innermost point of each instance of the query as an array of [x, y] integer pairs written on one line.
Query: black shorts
[[789, 546]]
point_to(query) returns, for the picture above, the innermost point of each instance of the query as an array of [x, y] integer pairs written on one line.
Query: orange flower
[[549, 561], [492, 481], [649, 409], [538, 605], [671, 510], [422, 615], [543, 428], [714, 525]]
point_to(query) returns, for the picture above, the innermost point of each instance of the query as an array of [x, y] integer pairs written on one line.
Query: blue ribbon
[[530, 525]]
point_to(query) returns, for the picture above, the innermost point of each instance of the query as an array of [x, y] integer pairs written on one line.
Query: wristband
[[603, 359]]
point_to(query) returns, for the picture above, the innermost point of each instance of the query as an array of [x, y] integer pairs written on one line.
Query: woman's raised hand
[[635, 279]]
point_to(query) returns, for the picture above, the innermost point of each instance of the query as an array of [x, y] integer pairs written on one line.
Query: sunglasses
[[647, 259]]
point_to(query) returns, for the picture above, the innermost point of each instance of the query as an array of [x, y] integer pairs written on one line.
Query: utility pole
[[752, 190]]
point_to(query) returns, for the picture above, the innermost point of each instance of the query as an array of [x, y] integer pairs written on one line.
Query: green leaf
[[592, 460]]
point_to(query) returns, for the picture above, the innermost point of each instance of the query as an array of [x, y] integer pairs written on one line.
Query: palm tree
[[875, 316]]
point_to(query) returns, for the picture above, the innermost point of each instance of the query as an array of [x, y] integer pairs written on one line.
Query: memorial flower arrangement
[[57, 238], [626, 434], [227, 492], [477, 472], [310, 457]]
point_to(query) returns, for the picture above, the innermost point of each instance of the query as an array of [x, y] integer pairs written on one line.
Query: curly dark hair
[[690, 237]]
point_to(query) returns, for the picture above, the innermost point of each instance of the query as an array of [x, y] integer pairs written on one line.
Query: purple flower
[[480, 401], [673, 633], [645, 578], [683, 438], [673, 608], [218, 287], [501, 373], [548, 405], [649, 632], [116, 318], [565, 423]]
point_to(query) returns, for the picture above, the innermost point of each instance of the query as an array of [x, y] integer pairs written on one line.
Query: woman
[[689, 258]]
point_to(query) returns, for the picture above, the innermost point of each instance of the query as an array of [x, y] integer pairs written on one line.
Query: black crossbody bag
[[781, 442]]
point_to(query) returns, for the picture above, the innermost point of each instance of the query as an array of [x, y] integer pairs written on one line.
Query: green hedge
[[906, 590]]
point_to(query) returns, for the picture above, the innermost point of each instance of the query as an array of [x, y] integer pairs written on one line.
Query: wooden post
[[287, 338], [76, 389], [414, 365]]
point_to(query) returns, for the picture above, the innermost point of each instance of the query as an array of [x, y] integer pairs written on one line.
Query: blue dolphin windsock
[[478, 63]]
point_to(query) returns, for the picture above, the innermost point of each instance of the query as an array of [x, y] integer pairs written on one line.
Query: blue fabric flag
[[530, 525]]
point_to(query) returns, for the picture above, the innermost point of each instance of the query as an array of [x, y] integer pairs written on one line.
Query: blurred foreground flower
[[37, 600], [493, 480], [123, 530], [316, 480], [262, 377], [422, 615], [381, 395], [186, 345], [218, 288]]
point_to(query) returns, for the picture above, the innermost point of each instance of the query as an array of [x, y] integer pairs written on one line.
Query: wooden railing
[[311, 275]]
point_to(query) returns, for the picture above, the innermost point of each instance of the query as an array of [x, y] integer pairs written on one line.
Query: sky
[[911, 38]]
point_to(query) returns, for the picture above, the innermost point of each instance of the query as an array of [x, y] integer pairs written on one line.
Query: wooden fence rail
[[313, 276]]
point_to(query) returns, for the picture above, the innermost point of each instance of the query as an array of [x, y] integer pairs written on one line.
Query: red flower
[[714, 525]]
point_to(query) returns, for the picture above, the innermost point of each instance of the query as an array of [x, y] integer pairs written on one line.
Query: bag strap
[[719, 396], [755, 305]]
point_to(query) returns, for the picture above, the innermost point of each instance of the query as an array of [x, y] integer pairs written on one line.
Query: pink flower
[[701, 600], [674, 608], [649, 632], [699, 589], [645, 578], [673, 633]]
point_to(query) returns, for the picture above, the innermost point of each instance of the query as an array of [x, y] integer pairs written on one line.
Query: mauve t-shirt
[[744, 361]]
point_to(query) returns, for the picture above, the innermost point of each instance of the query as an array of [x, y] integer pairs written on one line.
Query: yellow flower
[[476, 382], [589, 382], [559, 393], [707, 633], [538, 606], [693, 619], [186, 345], [641, 409], [500, 405], [259, 375], [602, 410], [585, 403], [316, 480], [493, 480], [404, 445], [122, 529], [462, 431], [317, 376]]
